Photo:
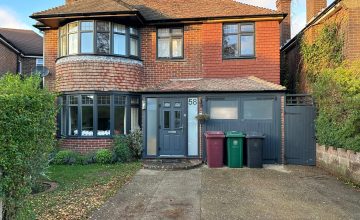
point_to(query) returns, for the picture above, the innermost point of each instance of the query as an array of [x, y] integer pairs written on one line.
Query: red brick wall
[[266, 65], [353, 31], [102, 75], [284, 6], [85, 145], [50, 56], [8, 60], [162, 70]]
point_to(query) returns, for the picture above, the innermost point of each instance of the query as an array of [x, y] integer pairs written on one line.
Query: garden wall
[[340, 162]]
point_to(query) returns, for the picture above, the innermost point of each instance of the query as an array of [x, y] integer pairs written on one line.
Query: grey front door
[[172, 127]]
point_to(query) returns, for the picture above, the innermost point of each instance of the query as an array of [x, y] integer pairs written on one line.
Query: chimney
[[313, 7], [284, 6], [68, 2]]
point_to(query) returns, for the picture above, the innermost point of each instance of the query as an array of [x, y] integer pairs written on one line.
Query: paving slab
[[275, 192]]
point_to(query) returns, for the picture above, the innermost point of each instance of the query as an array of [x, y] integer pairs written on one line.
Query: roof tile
[[238, 84]]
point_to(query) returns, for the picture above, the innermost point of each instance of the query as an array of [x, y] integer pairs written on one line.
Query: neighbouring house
[[118, 65], [20, 51], [345, 13]]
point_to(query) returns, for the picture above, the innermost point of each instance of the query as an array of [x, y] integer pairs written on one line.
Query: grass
[[81, 189]]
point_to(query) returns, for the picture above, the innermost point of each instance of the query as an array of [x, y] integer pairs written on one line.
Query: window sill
[[88, 137], [239, 58], [171, 60], [101, 55]]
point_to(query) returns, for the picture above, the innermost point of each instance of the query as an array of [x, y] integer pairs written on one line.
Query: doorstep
[[171, 164]]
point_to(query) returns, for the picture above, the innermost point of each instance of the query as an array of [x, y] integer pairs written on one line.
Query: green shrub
[[121, 149], [27, 125], [66, 157], [335, 84], [89, 158], [135, 142], [104, 156]]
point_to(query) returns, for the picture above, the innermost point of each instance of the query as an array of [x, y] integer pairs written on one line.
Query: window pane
[[87, 124], [231, 29], [177, 48], [103, 100], [258, 109], [73, 27], [102, 26], [247, 45], [63, 47], [103, 43], [87, 26], [87, 99], [134, 118], [120, 100], [163, 47], [135, 100], [177, 119], [63, 30], [119, 120], [164, 32], [119, 28], [103, 121], [87, 42], [63, 120], [151, 126], [73, 116], [230, 46], [247, 28], [134, 50], [73, 100], [73, 43], [223, 109], [133, 31], [166, 119], [177, 32], [119, 44]]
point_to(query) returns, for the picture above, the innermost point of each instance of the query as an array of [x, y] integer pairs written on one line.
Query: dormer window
[[98, 37]]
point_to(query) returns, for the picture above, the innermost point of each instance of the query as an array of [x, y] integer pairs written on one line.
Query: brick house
[[20, 51], [345, 13], [156, 64]]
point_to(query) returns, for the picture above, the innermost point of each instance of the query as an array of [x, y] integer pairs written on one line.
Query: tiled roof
[[238, 84], [86, 6], [26, 41], [154, 10]]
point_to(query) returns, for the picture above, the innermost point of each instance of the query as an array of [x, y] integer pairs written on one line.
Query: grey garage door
[[300, 143]]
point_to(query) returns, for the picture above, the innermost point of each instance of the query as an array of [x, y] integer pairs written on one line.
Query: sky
[[15, 13]]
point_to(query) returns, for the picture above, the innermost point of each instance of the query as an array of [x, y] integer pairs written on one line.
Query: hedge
[[27, 131], [335, 84]]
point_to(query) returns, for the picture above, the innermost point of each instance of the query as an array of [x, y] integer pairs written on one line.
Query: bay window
[[98, 37], [98, 115], [239, 40]]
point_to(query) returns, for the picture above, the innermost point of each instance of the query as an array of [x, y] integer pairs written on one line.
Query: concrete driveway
[[292, 192]]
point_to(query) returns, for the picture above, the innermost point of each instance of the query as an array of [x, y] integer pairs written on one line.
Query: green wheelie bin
[[234, 144]]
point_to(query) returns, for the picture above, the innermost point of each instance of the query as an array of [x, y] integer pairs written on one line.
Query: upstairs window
[[170, 43], [239, 40], [98, 37]]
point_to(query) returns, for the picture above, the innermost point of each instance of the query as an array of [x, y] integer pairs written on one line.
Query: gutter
[[2, 39], [329, 11]]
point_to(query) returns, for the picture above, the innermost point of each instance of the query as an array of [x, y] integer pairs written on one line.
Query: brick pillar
[[50, 56], [284, 6], [313, 7]]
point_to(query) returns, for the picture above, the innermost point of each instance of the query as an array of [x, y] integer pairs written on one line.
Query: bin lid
[[214, 134], [255, 134], [234, 134]]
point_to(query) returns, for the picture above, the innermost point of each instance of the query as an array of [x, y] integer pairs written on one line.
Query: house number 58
[[193, 101]]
